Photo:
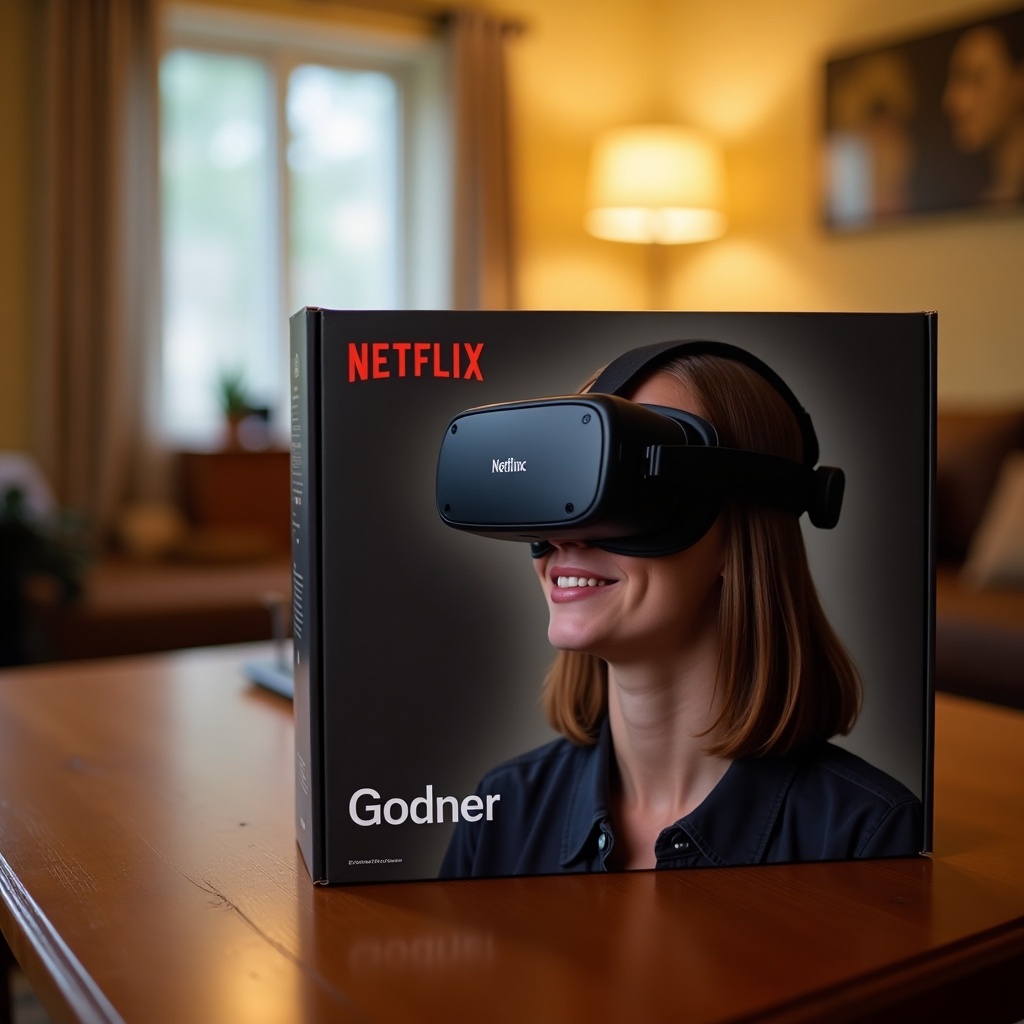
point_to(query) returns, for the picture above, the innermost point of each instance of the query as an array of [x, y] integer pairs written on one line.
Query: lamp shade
[[655, 183]]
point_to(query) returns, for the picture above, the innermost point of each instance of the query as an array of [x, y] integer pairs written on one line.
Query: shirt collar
[[588, 801], [734, 822], [731, 826]]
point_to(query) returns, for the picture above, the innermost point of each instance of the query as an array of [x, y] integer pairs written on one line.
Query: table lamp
[[655, 183]]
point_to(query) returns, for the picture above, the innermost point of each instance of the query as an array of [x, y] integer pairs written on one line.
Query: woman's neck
[[662, 720]]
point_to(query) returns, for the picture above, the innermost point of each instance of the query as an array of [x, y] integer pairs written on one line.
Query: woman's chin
[[566, 637], [560, 643]]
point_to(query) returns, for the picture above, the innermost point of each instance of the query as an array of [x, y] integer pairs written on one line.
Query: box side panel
[[931, 344], [305, 528]]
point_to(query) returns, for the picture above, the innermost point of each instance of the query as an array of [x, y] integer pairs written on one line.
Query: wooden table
[[149, 874]]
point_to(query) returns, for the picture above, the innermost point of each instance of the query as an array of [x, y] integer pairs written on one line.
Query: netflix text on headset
[[378, 360]]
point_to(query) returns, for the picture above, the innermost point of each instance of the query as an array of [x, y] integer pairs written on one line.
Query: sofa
[[213, 569], [979, 542]]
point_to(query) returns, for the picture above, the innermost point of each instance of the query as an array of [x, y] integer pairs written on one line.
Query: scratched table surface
[[148, 873]]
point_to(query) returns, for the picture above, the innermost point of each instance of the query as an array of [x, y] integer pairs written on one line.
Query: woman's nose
[[540, 548], [567, 543]]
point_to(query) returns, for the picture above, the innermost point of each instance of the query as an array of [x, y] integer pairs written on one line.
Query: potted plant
[[234, 403]]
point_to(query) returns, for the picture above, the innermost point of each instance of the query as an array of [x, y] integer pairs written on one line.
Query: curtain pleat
[[484, 244], [99, 279]]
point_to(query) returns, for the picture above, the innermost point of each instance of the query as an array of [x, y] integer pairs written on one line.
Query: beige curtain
[[98, 368], [98, 303], [484, 249]]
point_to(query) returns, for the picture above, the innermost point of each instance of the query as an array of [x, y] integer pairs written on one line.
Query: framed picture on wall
[[930, 124]]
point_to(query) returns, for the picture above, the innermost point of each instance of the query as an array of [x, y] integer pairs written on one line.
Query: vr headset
[[630, 478]]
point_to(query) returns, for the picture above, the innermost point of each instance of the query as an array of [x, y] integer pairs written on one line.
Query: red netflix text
[[377, 360]]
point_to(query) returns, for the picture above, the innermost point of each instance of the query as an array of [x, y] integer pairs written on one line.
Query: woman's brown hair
[[784, 677]]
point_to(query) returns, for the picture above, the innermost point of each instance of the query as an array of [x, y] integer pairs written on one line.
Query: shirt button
[[682, 844], [602, 841]]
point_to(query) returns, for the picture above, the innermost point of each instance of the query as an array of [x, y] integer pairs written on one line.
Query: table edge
[[41, 951]]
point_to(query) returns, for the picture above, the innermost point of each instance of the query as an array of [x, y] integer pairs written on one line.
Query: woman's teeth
[[578, 581]]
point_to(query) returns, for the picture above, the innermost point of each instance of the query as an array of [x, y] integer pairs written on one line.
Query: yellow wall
[[748, 70], [777, 256], [580, 66], [751, 72]]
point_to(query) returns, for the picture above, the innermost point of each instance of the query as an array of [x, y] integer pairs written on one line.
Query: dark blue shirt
[[823, 803]]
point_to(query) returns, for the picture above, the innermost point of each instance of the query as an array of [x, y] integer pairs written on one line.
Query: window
[[295, 171]]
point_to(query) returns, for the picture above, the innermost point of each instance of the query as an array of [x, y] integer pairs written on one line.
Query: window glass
[[342, 162], [216, 228], [282, 188]]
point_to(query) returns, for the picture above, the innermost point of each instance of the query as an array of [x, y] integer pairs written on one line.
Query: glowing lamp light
[[658, 184]]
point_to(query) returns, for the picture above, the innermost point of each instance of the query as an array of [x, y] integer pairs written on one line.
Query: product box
[[695, 684]]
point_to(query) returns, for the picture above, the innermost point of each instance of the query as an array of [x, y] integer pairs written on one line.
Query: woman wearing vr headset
[[695, 691]]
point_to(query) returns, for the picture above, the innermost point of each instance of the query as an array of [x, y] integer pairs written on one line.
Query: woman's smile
[[572, 583]]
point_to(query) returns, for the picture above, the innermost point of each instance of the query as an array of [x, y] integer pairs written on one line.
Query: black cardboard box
[[420, 650]]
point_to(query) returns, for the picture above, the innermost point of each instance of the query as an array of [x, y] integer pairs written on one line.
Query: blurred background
[[177, 178]]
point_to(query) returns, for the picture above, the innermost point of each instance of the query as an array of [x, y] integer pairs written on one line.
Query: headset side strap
[[745, 476]]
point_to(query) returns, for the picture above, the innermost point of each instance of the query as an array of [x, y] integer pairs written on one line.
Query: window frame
[[415, 57]]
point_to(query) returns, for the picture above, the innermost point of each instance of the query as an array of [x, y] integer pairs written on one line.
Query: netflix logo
[[378, 360]]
